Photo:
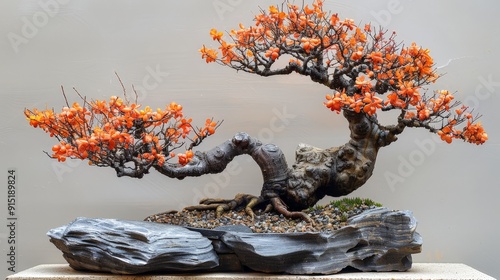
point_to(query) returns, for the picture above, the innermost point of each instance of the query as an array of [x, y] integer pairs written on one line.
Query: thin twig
[[64, 94], [123, 87], [136, 95]]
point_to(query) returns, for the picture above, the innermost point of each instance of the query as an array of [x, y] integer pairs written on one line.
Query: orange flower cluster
[[185, 158], [472, 132], [434, 106], [273, 53], [320, 43], [209, 55], [439, 108], [209, 128], [367, 102], [104, 132]]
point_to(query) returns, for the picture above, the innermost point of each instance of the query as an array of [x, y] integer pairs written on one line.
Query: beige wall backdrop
[[453, 189]]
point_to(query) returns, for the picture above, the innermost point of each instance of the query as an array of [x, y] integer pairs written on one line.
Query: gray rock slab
[[131, 247], [376, 240]]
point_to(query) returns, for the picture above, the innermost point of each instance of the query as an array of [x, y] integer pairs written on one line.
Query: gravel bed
[[326, 219]]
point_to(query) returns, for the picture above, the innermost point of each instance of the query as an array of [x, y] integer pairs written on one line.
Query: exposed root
[[223, 205], [281, 208], [249, 202]]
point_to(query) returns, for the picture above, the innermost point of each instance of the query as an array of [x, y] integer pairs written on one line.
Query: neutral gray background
[[452, 189]]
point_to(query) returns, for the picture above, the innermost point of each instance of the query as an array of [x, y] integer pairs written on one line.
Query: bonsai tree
[[365, 69]]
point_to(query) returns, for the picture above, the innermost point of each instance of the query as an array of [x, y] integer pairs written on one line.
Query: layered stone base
[[378, 239]]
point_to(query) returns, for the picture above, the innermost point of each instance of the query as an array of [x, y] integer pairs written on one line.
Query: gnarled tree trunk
[[316, 172]]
